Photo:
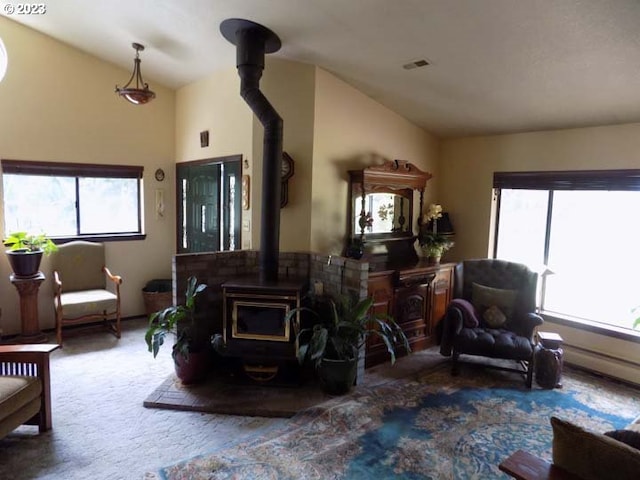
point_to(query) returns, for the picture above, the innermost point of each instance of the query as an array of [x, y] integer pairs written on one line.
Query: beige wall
[[58, 104], [289, 87], [329, 128], [354, 131], [467, 167], [214, 104]]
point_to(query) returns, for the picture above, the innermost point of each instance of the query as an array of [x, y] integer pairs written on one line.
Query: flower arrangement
[[433, 244]]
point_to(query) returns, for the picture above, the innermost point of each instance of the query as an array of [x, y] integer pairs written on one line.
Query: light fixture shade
[[140, 93], [443, 225], [137, 96], [3, 60]]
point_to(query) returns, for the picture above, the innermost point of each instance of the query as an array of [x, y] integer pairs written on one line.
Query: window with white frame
[[580, 230], [69, 200]]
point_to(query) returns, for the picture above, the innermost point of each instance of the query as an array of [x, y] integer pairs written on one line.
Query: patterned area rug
[[429, 426]]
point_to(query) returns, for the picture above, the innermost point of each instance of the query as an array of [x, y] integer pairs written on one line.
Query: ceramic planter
[[337, 376], [25, 264], [194, 368]]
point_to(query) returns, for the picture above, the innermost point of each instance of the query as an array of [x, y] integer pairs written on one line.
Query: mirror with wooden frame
[[381, 205]]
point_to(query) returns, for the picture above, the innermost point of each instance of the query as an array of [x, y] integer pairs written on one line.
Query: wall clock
[[159, 175], [286, 172]]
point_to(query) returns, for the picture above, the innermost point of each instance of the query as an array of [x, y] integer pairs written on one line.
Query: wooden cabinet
[[416, 298], [441, 291], [380, 288]]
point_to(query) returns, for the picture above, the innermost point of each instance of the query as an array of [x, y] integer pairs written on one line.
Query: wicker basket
[[157, 295], [154, 301]]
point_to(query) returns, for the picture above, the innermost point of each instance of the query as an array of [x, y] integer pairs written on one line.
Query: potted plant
[[25, 252], [433, 243], [332, 344], [189, 352]]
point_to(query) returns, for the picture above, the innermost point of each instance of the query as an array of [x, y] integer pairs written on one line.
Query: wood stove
[[255, 329]]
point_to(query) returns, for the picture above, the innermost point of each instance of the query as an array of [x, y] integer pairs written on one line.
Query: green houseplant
[[332, 344], [25, 252], [189, 351]]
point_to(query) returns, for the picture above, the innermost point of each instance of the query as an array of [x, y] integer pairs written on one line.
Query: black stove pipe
[[252, 41]]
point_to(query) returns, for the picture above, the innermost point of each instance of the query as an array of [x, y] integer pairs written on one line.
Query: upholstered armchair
[[492, 314], [80, 286]]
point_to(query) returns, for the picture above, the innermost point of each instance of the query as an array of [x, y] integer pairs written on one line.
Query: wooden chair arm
[[525, 466], [28, 350], [117, 279], [57, 282]]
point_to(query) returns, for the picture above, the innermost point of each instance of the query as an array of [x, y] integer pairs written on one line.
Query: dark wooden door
[[209, 206]]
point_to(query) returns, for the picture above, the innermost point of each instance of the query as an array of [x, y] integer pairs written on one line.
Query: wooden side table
[[28, 291]]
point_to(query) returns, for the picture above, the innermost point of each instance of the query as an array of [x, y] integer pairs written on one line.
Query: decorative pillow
[[484, 297], [592, 456], [630, 437], [494, 317]]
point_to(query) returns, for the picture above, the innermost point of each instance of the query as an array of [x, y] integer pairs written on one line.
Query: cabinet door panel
[[441, 289]]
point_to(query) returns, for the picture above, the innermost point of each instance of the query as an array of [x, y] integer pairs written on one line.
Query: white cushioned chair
[[80, 286]]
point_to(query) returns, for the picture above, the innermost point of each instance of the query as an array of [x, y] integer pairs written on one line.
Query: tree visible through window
[[71, 200]]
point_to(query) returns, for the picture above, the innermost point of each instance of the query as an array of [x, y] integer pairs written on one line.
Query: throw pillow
[[494, 317], [592, 456], [630, 437], [484, 297]]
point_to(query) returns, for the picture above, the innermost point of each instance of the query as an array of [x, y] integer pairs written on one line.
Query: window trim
[[627, 179], [591, 326], [75, 170], [65, 169]]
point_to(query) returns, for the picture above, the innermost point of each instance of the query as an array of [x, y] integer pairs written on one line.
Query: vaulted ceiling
[[495, 66]]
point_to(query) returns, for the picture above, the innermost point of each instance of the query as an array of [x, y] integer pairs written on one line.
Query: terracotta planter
[[194, 368], [25, 264], [337, 376]]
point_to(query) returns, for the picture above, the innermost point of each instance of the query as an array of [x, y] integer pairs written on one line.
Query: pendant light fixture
[[139, 92]]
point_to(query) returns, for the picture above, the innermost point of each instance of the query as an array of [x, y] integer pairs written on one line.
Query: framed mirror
[[384, 199], [385, 213]]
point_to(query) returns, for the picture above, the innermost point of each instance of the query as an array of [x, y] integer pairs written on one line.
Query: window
[[579, 230], [67, 200]]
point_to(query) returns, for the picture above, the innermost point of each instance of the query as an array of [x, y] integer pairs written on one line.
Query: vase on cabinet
[[433, 260]]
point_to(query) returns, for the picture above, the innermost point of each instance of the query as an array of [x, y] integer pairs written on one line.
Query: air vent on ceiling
[[416, 64]]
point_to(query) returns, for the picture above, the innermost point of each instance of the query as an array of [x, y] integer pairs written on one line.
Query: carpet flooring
[[101, 430], [430, 425]]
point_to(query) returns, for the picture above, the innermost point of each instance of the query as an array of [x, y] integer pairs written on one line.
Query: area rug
[[431, 426]]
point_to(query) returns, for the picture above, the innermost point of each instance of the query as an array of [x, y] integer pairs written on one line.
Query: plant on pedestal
[[25, 252]]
